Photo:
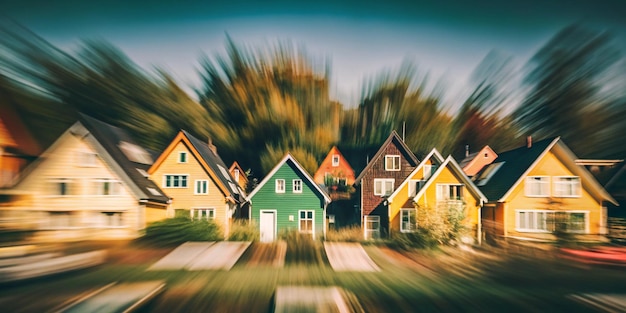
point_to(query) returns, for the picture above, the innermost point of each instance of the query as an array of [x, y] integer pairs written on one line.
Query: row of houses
[[96, 182]]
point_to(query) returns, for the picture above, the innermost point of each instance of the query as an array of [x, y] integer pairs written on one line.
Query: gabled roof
[[470, 158], [517, 163], [456, 168], [432, 154], [289, 158], [401, 145], [15, 132], [343, 162], [236, 165], [111, 138], [209, 160]]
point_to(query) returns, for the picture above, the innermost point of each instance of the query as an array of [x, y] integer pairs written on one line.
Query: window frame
[[81, 156], [293, 185], [104, 220], [182, 156], [393, 157], [206, 187], [369, 233], [461, 194], [276, 185], [335, 163], [527, 186], [100, 187], [578, 187], [383, 182], [180, 176], [306, 218], [402, 222], [210, 213]]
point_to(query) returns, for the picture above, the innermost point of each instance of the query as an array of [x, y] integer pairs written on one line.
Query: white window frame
[[576, 187], [413, 186], [179, 177], [180, 156], [446, 197], [529, 181], [548, 226], [335, 160], [428, 170], [105, 220], [115, 187], [236, 174], [306, 218], [586, 222], [70, 187], [71, 220], [209, 213], [198, 190], [373, 232], [279, 183], [294, 185], [393, 158], [383, 188], [408, 212]]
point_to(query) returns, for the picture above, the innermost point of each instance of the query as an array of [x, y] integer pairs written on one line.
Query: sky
[[446, 39]]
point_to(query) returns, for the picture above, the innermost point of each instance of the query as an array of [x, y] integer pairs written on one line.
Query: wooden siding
[[185, 198], [369, 201], [342, 170], [87, 207], [289, 203]]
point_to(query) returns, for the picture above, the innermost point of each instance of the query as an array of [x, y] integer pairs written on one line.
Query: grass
[[461, 283]]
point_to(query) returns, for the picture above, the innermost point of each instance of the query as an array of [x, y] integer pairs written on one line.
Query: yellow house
[[538, 190], [191, 172], [436, 184], [89, 184]]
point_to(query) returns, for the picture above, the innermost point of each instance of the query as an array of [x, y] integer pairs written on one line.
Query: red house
[[389, 167], [335, 172]]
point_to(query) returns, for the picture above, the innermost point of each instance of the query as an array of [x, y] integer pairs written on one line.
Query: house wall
[[343, 169], [184, 198], [85, 207], [484, 157], [402, 201], [471, 201], [551, 166], [289, 203]]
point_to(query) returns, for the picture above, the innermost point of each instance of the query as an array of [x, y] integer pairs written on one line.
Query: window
[[306, 222], [408, 220], [372, 227], [153, 191], [428, 170], [415, 186], [182, 157], [203, 214], [531, 221], [62, 187], [538, 186], [175, 181], [107, 187], [111, 219], [236, 174], [280, 186], [61, 219], [135, 153], [335, 160], [383, 186], [567, 186], [86, 159], [392, 163], [297, 186], [547, 221], [449, 192], [202, 187], [143, 172]]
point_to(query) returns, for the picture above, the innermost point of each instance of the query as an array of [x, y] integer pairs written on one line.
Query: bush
[[181, 229], [301, 248], [347, 234], [244, 231]]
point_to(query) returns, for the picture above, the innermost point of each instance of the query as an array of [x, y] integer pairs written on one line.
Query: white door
[[268, 226]]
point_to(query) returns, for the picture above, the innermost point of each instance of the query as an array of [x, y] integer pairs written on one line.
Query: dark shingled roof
[[110, 137], [215, 162], [516, 162]]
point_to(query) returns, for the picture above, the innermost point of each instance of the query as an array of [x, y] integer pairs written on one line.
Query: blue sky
[[447, 38]]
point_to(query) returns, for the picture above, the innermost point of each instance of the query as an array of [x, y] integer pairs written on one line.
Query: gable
[[342, 169], [392, 146]]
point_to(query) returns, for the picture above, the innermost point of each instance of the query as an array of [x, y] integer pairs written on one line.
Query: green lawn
[[419, 281]]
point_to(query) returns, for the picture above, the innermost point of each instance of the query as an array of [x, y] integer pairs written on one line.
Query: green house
[[288, 199]]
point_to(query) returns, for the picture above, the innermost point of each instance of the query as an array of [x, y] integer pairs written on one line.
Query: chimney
[[466, 151], [212, 146], [529, 142]]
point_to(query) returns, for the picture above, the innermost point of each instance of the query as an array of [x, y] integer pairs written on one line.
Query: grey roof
[[110, 138], [514, 164], [218, 166]]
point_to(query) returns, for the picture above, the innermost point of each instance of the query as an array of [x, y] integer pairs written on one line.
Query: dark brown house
[[393, 162]]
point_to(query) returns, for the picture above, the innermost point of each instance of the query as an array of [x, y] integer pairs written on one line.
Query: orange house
[[334, 170], [474, 162], [239, 175], [538, 191]]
